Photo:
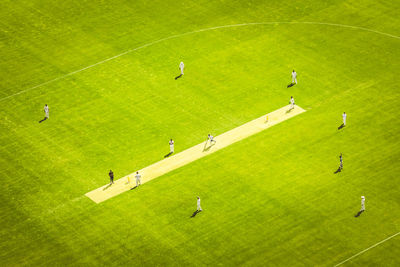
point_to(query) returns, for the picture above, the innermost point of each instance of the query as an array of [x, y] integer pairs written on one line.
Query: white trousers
[[294, 80], [171, 148]]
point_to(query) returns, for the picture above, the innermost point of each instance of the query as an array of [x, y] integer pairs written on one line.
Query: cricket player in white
[[46, 111], [181, 66], [211, 138], [198, 204], [294, 77], [362, 203], [171, 146], [291, 103], [344, 118], [138, 176]]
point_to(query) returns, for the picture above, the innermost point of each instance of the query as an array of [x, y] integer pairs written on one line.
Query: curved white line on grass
[[361, 252], [197, 31]]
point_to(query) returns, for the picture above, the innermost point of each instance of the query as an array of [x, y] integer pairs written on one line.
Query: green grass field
[[270, 200]]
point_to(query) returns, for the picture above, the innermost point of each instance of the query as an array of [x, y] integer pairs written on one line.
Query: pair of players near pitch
[[137, 176]]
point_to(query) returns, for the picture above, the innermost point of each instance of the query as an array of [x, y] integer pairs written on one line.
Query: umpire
[[111, 174]]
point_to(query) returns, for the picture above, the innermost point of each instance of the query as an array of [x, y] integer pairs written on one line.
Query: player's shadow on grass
[[177, 77], [169, 154], [341, 126], [43, 120], [290, 85], [338, 170], [194, 214], [358, 213], [134, 187]]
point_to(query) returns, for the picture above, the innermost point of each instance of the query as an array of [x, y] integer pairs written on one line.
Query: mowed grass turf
[[271, 199]]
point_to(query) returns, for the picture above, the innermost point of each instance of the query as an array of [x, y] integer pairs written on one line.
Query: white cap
[[362, 197]]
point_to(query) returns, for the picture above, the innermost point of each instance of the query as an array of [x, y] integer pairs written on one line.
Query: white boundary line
[[367, 249], [197, 31]]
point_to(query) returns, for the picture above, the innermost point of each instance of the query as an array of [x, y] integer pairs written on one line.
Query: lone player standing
[[291, 102], [111, 174], [46, 112], [171, 146], [362, 203], [138, 176], [198, 204], [344, 116], [181, 67], [294, 77]]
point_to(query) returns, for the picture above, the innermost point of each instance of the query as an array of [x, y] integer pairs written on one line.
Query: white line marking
[[197, 31], [367, 249]]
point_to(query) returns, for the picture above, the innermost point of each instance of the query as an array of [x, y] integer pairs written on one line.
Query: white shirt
[[292, 100], [181, 65], [138, 176], [46, 109], [294, 74], [171, 142], [344, 116], [211, 137], [198, 201]]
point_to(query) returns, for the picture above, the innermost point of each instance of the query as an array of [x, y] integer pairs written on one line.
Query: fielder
[[181, 66], [198, 204], [138, 176], [362, 203], [344, 118], [291, 102], [341, 162], [46, 112], [294, 77], [171, 146]]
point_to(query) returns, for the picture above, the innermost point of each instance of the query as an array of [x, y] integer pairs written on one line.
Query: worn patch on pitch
[[194, 153]]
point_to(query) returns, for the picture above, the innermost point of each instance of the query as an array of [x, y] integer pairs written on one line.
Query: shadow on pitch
[[45, 118], [206, 148], [341, 126], [194, 213], [358, 213], [169, 154], [177, 77], [108, 186], [290, 85], [338, 170]]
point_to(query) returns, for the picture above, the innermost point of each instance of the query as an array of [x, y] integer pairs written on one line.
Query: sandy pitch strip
[[194, 153]]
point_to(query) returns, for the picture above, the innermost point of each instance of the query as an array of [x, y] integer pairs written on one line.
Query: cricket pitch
[[194, 153]]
